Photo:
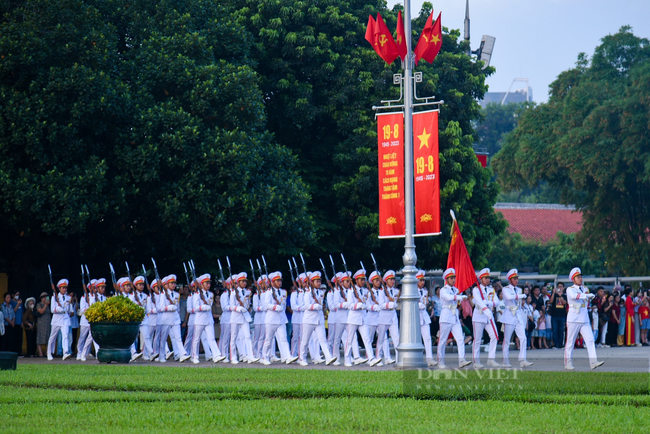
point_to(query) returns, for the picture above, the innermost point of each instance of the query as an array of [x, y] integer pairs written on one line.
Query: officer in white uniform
[[483, 319], [239, 321], [449, 322], [152, 314], [578, 321], [356, 313], [372, 304], [274, 304], [125, 287], [341, 336], [258, 319], [296, 316], [388, 318], [201, 302], [425, 320], [332, 316], [84, 327], [61, 309], [167, 308], [513, 320], [313, 320], [141, 299], [224, 338]]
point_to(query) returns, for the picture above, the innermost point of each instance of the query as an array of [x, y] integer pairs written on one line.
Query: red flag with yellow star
[[401, 38], [426, 172], [459, 260], [381, 39], [430, 40]]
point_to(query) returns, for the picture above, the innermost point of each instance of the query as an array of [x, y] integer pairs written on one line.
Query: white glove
[[421, 306], [316, 306], [390, 305], [171, 308], [488, 313], [240, 309], [461, 297], [277, 308], [153, 312], [205, 308], [589, 295], [375, 308], [359, 306]]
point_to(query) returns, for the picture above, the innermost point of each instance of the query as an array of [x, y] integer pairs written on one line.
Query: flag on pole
[[378, 35], [401, 38], [430, 40], [459, 259]]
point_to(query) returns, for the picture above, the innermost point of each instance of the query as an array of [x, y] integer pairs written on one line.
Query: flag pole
[[410, 349]]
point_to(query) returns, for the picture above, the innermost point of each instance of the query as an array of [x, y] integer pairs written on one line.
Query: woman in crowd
[[43, 323], [29, 324], [614, 318]]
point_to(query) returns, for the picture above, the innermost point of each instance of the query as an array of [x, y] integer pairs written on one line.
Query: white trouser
[[425, 331], [314, 348], [242, 347], [224, 338], [189, 339], [637, 329], [457, 331], [344, 339], [207, 332], [278, 331], [84, 335], [89, 341], [382, 341], [507, 337], [319, 331], [51, 344], [478, 335], [258, 340], [247, 344], [331, 334], [295, 338], [352, 335], [572, 330], [174, 332], [145, 337]]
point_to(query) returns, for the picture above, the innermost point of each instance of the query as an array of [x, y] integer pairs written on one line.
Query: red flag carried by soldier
[[401, 38], [381, 39], [459, 259], [430, 40]]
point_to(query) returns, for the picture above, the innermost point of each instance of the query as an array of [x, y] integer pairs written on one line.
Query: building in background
[[539, 221]]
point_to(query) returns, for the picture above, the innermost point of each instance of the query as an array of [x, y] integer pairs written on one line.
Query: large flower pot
[[114, 340]]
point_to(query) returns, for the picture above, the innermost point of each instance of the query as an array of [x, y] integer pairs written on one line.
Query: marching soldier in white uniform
[[483, 319], [425, 330], [61, 310], [141, 299], [449, 321], [201, 302], [125, 287], [296, 316], [224, 338], [372, 304], [239, 321], [578, 321], [274, 304], [152, 314], [84, 327], [332, 316], [170, 321], [356, 306], [514, 320], [388, 318], [258, 319], [313, 320]]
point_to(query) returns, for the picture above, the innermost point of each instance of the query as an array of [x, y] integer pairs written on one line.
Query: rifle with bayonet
[[372, 294], [354, 284], [338, 283]]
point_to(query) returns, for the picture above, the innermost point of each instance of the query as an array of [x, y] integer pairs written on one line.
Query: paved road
[[625, 359]]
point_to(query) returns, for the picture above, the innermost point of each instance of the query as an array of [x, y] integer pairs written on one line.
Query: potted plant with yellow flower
[[114, 324]]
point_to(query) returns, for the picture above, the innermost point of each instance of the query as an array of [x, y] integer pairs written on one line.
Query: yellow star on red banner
[[424, 139]]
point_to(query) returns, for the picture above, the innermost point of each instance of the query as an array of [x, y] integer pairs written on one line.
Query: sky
[[538, 39]]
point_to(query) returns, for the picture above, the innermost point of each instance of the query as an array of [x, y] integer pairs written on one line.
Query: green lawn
[[67, 399]]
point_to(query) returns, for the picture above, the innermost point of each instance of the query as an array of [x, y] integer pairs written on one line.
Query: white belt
[[577, 306], [513, 309], [452, 306]]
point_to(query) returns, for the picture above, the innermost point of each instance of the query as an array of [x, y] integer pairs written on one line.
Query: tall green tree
[[132, 128], [496, 121], [591, 141], [320, 79]]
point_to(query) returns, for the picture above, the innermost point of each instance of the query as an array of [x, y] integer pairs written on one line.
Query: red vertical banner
[[426, 172], [390, 140]]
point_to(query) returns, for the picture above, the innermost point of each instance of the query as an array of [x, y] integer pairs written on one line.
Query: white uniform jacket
[[481, 303], [578, 304], [449, 296]]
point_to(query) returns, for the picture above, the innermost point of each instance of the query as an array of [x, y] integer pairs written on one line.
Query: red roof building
[[540, 222]]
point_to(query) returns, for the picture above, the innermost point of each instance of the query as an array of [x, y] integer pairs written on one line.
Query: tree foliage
[[320, 79], [496, 121], [133, 128], [591, 141]]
